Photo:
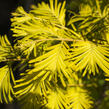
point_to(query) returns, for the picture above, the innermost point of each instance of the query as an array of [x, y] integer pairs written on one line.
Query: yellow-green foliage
[[61, 56], [6, 74]]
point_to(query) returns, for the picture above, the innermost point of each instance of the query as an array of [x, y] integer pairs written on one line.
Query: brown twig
[[6, 60], [58, 39]]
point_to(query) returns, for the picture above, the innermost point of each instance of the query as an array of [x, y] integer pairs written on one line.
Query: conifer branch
[[59, 39], [7, 60]]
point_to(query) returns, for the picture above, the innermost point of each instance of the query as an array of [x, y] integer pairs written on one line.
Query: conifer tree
[[61, 59]]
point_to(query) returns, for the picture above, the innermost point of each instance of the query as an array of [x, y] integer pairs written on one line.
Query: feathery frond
[[54, 13], [42, 20], [88, 56], [40, 25], [92, 24], [6, 89], [50, 67], [32, 97], [57, 100], [6, 50], [79, 98]]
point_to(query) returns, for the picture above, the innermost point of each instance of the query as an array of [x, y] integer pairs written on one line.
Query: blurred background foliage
[[97, 85]]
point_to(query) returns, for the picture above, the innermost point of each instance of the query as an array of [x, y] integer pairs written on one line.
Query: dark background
[[6, 7]]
